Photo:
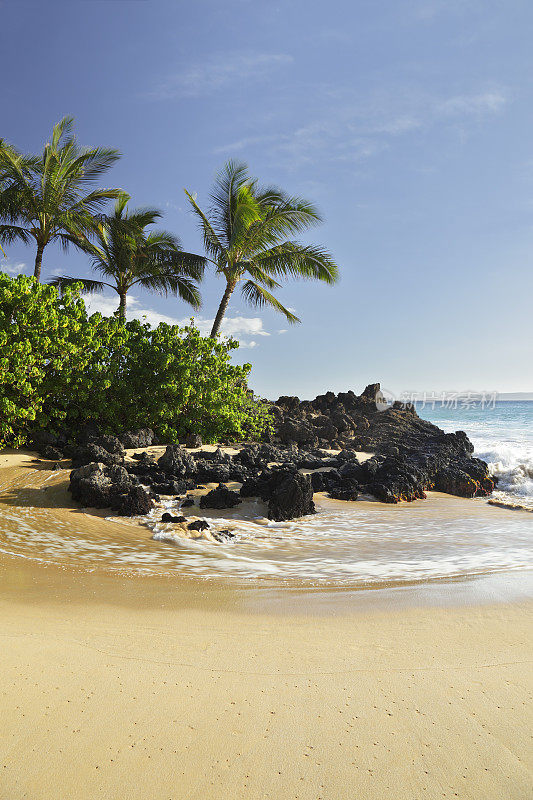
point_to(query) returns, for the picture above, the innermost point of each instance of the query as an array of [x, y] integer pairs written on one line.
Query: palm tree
[[127, 256], [245, 233], [49, 198]]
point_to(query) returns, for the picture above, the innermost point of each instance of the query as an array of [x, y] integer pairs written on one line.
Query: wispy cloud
[[238, 326], [352, 128], [466, 104], [429, 10], [218, 73]]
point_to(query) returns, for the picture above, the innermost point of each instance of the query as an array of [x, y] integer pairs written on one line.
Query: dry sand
[[129, 688]]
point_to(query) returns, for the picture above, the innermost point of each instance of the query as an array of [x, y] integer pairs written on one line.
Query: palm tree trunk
[[230, 286], [122, 306], [38, 261]]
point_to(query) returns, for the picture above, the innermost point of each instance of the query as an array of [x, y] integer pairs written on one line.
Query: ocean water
[[362, 544], [502, 435]]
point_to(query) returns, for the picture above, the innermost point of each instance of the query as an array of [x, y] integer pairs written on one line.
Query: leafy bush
[[61, 369]]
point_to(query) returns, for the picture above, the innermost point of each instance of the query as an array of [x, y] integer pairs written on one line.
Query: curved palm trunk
[[230, 286], [122, 306], [38, 261]]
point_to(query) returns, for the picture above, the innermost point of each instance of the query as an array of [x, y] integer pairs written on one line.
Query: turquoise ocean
[[502, 435]]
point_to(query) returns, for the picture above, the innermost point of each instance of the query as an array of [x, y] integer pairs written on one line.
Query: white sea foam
[[512, 465]]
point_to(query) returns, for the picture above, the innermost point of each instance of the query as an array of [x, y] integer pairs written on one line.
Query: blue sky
[[408, 123]]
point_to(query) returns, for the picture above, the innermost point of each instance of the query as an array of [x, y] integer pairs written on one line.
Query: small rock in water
[[223, 536], [198, 525], [171, 518], [189, 501]]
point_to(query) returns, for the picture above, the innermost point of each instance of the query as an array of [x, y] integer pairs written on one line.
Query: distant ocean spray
[[502, 436]]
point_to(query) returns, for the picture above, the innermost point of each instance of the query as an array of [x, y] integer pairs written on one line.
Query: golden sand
[[135, 688]]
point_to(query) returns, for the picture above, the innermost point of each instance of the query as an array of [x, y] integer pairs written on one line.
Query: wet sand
[[115, 686]]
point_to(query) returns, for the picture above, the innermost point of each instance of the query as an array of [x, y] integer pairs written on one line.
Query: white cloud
[[283, 330], [219, 72], [232, 326], [12, 269], [96, 303], [237, 327]]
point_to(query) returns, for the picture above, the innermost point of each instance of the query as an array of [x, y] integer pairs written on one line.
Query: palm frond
[[88, 286], [299, 261], [179, 285], [212, 243], [258, 296], [63, 128], [182, 263], [12, 233], [257, 274], [85, 166], [229, 183]]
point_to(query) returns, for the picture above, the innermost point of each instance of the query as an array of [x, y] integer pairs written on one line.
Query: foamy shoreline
[[352, 544]]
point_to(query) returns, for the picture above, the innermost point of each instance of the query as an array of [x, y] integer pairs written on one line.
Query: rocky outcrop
[[291, 495], [90, 453], [177, 461], [144, 437], [410, 456], [96, 485], [345, 420], [221, 497]]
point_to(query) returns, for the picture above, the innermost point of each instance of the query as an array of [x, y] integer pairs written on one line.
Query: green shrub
[[61, 369]]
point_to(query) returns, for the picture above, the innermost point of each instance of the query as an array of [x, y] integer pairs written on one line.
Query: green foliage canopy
[[61, 369]]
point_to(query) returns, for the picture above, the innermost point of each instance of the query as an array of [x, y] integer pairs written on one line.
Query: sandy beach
[[116, 686]]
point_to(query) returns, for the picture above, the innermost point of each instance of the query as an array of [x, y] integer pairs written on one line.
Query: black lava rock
[[135, 501], [198, 525], [166, 517], [221, 497], [90, 453], [96, 485], [144, 437], [291, 495], [53, 453], [223, 536], [193, 441], [350, 493], [176, 461]]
